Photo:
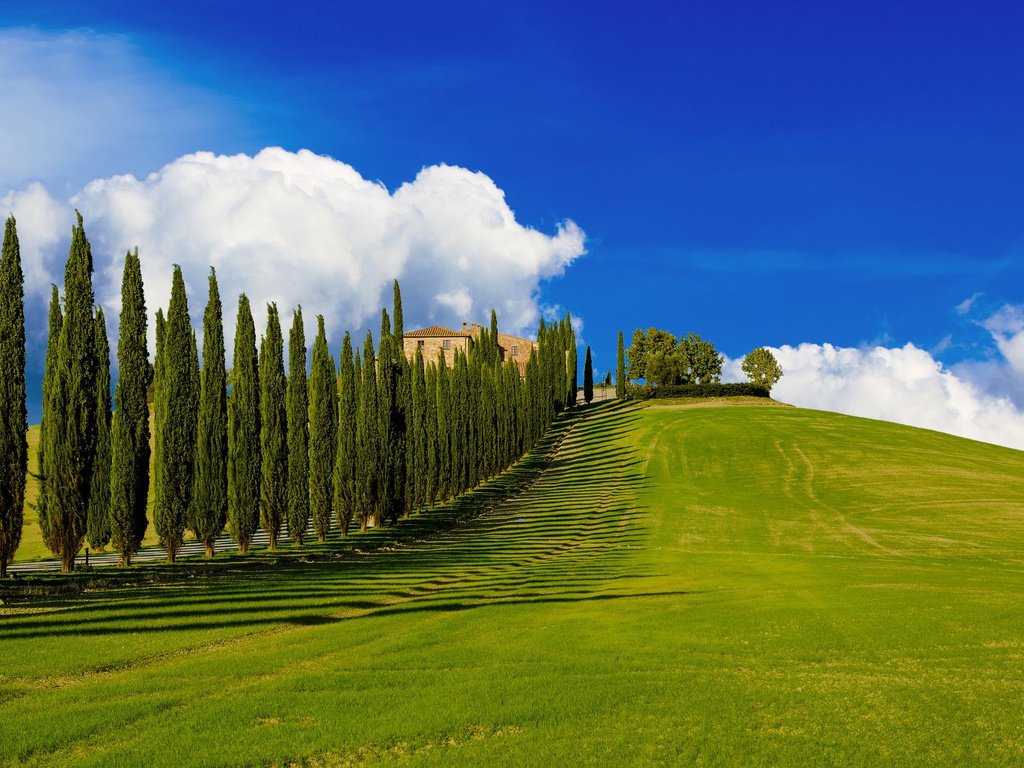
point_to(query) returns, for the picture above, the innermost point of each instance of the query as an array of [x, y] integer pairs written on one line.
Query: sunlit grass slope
[[713, 586]]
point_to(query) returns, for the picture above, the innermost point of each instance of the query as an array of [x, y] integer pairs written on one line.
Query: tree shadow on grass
[[554, 528]]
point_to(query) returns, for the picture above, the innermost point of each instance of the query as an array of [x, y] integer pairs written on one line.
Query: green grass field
[[725, 585]]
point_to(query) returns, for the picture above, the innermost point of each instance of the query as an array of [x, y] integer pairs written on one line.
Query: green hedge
[[742, 389]]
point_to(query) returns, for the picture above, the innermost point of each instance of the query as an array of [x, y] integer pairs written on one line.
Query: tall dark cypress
[[431, 461], [273, 429], [129, 457], [98, 523], [417, 437], [572, 363], [158, 415], [323, 429], [176, 439], [49, 387], [298, 431], [13, 414], [588, 378], [368, 454], [210, 490], [71, 431], [346, 458], [620, 369], [496, 351], [392, 475], [244, 456], [402, 373], [399, 321], [445, 479]]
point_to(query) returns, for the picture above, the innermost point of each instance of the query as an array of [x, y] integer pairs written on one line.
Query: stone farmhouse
[[430, 340]]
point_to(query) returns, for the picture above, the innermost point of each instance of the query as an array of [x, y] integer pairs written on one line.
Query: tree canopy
[[762, 368]]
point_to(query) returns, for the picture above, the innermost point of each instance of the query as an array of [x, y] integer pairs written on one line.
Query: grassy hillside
[[713, 585]]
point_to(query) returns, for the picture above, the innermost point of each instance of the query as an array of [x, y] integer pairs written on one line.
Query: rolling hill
[[663, 585]]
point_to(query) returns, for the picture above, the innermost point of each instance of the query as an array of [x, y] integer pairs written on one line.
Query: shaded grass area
[[718, 586]]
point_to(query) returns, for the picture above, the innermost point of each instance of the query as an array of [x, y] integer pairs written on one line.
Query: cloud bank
[[300, 228], [981, 400]]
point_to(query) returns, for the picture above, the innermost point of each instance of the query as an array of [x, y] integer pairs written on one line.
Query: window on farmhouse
[[447, 344], [515, 351], [419, 344]]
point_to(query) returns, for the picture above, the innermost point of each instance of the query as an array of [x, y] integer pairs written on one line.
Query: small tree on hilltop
[[762, 368], [699, 362]]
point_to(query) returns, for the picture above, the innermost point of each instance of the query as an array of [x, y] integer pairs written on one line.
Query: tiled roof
[[435, 331]]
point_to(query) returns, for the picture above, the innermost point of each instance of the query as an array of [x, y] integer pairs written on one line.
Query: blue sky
[[762, 173]]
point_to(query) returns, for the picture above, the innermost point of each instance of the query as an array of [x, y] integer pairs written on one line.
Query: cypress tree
[[158, 416], [588, 378], [390, 488], [399, 331], [496, 350], [56, 321], [210, 490], [458, 408], [572, 363], [367, 439], [13, 413], [445, 481], [71, 431], [244, 457], [273, 429], [401, 412], [323, 430], [98, 522], [176, 438], [430, 435], [129, 482], [417, 467], [298, 431], [620, 369], [346, 460]]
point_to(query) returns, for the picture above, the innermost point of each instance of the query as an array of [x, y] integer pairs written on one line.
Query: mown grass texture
[[718, 586]]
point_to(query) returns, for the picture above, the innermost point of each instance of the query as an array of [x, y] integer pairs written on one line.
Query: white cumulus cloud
[[900, 384], [300, 228]]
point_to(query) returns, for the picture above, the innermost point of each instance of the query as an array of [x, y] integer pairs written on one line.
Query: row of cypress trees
[[367, 442]]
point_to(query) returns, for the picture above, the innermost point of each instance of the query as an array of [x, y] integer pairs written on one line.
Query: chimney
[[463, 326]]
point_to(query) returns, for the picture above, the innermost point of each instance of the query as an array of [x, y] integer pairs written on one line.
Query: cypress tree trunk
[[176, 439], [346, 460], [298, 432], [620, 369], [273, 429], [244, 457], [71, 429], [129, 481], [588, 378], [323, 429], [56, 321], [98, 524], [210, 489], [13, 414]]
